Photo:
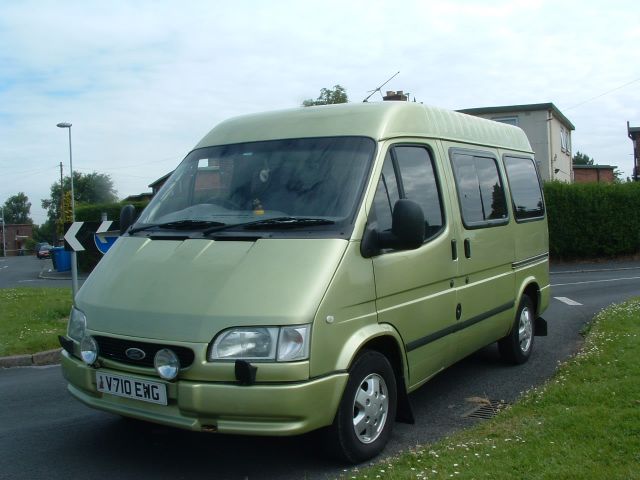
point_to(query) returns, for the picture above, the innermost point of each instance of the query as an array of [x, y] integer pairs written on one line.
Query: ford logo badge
[[135, 354]]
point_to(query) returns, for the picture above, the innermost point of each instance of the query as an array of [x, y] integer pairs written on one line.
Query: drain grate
[[486, 409]]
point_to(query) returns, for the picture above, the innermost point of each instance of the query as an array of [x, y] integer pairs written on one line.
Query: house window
[[563, 139], [508, 120]]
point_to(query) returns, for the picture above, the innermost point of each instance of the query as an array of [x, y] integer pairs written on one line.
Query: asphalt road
[[44, 433], [24, 271]]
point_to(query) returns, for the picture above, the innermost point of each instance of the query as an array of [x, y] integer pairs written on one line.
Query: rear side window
[[526, 194], [480, 189], [408, 172]]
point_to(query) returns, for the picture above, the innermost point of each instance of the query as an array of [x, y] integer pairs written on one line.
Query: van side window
[[524, 184], [480, 190], [416, 181], [387, 194]]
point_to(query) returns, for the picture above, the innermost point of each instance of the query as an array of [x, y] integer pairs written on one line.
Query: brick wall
[[591, 175]]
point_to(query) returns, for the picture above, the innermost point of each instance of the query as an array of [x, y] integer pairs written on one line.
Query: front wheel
[[367, 411], [516, 347]]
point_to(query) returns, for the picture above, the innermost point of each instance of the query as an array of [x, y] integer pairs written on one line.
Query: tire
[[516, 347], [367, 411]]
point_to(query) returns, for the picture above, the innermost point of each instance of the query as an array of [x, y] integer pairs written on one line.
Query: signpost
[[82, 236]]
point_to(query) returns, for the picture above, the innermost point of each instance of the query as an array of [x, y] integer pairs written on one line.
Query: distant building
[[634, 135], [548, 130], [594, 173], [157, 185], [141, 197], [16, 236]]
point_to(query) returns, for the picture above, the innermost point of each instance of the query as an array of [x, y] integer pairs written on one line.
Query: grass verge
[[32, 318], [584, 423]]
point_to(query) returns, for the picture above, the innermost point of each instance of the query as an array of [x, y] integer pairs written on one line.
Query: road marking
[[594, 281], [25, 281], [5, 266], [568, 301]]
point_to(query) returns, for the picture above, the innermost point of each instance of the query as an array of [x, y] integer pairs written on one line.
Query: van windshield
[[310, 182]]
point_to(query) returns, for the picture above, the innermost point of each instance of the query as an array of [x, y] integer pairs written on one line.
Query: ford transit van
[[308, 269]]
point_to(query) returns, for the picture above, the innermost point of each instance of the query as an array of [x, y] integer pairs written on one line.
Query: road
[[23, 272], [44, 433]]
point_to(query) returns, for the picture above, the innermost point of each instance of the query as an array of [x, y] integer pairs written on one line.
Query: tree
[[328, 96], [582, 159], [88, 188], [17, 209]]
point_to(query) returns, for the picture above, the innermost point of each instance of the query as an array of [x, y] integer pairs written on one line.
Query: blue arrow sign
[[103, 243], [103, 238]]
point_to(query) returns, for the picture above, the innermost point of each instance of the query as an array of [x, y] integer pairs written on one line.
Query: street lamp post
[[74, 258], [4, 244]]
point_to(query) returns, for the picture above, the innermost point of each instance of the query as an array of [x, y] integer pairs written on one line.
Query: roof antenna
[[378, 89]]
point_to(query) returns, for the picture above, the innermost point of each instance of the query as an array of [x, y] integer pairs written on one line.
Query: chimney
[[396, 96]]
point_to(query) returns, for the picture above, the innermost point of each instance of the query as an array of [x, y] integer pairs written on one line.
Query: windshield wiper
[[272, 223], [181, 225]]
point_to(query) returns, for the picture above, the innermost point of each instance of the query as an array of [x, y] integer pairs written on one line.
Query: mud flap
[[540, 327]]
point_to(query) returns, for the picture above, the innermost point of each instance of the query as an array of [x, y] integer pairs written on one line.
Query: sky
[[143, 81]]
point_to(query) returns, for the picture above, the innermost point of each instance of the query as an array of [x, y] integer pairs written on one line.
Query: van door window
[[420, 185], [480, 190], [415, 180], [524, 184]]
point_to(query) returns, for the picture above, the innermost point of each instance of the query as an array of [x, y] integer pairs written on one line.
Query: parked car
[[43, 250]]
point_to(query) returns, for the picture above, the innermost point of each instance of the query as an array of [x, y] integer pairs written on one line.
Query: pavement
[[48, 273], [587, 267], [52, 357]]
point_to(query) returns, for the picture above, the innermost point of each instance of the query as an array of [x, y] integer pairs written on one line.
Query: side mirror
[[127, 217], [407, 230]]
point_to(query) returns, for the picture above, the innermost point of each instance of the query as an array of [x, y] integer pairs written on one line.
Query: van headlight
[[282, 344], [77, 325]]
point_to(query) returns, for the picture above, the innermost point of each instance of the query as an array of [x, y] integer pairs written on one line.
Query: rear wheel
[[517, 346], [367, 411]]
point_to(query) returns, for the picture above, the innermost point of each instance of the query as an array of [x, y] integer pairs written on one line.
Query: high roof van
[[310, 268]]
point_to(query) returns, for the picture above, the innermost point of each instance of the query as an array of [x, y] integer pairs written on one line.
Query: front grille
[[115, 348]]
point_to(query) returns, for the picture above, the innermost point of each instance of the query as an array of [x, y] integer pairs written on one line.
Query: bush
[[93, 213], [588, 220]]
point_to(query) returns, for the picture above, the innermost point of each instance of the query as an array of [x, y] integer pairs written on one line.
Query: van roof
[[379, 120]]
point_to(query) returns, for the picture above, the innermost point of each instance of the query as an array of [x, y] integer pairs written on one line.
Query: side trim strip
[[421, 342], [529, 261]]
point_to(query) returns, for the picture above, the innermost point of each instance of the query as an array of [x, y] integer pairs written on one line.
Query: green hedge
[[588, 220], [93, 213], [88, 259]]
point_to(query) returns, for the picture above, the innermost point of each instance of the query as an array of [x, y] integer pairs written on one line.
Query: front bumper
[[260, 409]]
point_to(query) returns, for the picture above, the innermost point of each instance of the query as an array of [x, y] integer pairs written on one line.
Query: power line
[[603, 94]]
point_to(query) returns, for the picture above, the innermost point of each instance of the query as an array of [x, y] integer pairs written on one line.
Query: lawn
[[32, 318], [584, 423]]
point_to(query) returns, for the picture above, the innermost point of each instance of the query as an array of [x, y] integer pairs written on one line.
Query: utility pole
[[61, 203], [4, 244]]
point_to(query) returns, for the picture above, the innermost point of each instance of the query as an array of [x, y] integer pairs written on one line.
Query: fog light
[[167, 364], [89, 350]]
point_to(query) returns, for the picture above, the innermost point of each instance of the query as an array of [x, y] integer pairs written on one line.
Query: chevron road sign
[[82, 236]]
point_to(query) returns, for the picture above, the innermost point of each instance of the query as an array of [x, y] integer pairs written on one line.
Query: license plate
[[128, 387]]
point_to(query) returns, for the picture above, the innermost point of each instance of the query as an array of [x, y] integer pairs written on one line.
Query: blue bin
[[61, 259]]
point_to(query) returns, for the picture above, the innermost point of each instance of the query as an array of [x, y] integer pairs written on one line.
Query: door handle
[[454, 249], [467, 248]]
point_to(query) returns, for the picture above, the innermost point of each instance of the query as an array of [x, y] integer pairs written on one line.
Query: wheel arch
[[385, 340], [531, 288]]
